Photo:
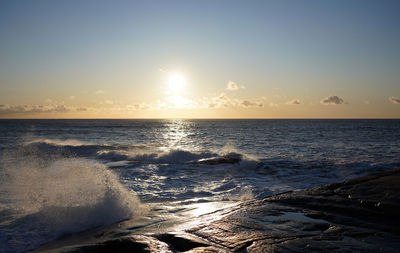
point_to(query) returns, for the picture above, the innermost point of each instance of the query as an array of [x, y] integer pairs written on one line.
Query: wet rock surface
[[359, 215]]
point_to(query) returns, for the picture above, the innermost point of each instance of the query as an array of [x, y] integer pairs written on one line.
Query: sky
[[200, 59]]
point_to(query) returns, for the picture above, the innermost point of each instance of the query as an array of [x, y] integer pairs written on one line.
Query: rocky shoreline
[[358, 215]]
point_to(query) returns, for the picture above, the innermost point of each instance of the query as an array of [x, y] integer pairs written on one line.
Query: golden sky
[[199, 59]]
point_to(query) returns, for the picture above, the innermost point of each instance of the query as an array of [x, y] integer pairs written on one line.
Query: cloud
[[34, 109], [72, 97], [247, 103], [98, 92], [139, 106], [394, 100], [60, 108], [224, 101], [233, 86], [293, 102], [109, 102], [221, 101], [332, 100]]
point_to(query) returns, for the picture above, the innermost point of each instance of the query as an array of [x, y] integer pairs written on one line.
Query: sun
[[176, 83]]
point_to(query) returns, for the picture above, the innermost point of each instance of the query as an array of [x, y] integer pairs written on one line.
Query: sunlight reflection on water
[[176, 134], [201, 213]]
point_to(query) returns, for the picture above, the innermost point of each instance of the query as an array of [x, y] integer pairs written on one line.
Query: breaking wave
[[51, 198], [136, 153]]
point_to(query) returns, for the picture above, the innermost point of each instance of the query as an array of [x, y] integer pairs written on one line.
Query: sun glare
[[178, 101], [176, 83]]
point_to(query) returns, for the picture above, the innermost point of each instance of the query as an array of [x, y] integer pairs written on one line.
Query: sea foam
[[51, 198]]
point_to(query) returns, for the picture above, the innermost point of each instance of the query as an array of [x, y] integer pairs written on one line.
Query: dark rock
[[179, 243], [358, 215], [122, 245], [318, 220]]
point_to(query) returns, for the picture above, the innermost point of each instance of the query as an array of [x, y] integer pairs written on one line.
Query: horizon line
[[200, 118]]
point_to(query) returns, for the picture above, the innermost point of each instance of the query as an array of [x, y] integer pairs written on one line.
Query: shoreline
[[359, 214]]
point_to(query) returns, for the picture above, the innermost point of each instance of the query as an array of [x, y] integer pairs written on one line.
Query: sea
[[62, 177]]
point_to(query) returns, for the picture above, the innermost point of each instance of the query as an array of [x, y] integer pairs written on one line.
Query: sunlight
[[176, 82], [178, 101], [176, 135]]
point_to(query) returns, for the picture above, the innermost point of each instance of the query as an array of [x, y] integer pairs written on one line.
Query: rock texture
[[359, 215]]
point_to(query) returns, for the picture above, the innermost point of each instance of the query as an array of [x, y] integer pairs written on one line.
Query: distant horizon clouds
[[332, 100], [29, 109], [293, 102]]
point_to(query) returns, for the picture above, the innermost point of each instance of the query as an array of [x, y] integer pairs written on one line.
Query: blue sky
[[280, 51]]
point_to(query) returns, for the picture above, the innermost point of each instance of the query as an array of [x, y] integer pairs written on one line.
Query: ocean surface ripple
[[64, 176]]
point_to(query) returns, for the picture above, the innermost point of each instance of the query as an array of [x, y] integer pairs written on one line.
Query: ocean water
[[60, 177]]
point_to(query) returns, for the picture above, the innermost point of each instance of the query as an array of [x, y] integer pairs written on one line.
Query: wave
[[49, 199], [140, 153], [126, 155], [67, 148], [60, 142], [228, 154], [174, 156]]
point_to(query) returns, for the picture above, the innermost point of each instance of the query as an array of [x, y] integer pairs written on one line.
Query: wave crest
[[58, 197]]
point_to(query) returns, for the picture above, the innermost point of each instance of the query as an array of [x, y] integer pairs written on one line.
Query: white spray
[[59, 196]]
